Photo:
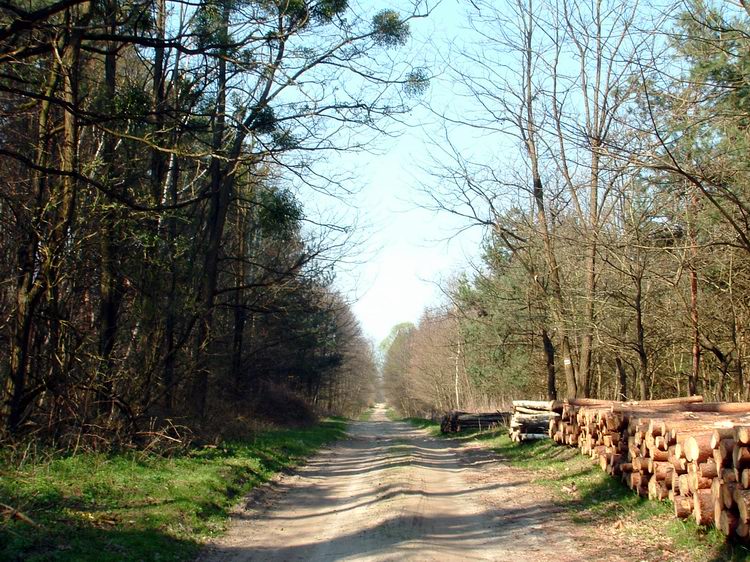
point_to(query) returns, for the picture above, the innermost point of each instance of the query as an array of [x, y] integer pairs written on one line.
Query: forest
[[162, 270], [615, 207], [160, 273], [186, 372]]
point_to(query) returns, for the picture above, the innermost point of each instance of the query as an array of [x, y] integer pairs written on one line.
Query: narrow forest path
[[391, 492]]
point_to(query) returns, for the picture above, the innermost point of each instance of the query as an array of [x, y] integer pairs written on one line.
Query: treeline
[[157, 262], [615, 203]]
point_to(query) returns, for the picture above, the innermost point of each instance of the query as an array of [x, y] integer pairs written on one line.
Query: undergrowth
[[135, 506]]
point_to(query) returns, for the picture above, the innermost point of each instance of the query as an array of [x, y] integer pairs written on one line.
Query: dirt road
[[391, 492]]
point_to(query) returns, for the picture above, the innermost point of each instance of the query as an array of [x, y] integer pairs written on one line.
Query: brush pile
[[532, 418], [455, 421], [694, 453]]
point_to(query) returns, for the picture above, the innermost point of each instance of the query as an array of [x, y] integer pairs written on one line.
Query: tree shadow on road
[[495, 531]]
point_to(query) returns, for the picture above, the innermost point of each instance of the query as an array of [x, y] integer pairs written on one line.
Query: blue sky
[[407, 251]]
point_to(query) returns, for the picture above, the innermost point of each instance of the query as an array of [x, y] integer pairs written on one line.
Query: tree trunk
[[217, 213], [240, 316], [110, 285], [640, 340], [529, 133], [29, 287], [696, 350], [622, 379], [549, 356]]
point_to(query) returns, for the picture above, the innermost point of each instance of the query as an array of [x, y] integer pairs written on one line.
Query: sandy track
[[391, 492]]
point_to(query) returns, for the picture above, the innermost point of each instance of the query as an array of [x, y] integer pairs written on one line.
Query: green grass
[[141, 507], [604, 499], [431, 426], [366, 415], [392, 415]]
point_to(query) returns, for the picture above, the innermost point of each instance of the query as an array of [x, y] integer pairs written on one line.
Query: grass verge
[[604, 500], [142, 507], [432, 427], [366, 415]]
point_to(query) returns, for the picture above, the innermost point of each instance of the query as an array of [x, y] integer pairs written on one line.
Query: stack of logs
[[532, 418], [455, 421], [694, 453]]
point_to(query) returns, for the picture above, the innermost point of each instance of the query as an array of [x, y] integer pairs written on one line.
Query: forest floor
[[391, 491]]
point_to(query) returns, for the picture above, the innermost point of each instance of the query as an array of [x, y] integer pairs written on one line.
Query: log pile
[[456, 421], [694, 453], [532, 418]]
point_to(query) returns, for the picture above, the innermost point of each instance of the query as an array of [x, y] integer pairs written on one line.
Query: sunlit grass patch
[[132, 506], [589, 495], [366, 415]]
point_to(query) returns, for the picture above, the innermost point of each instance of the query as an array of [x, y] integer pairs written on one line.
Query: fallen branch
[[11, 513]]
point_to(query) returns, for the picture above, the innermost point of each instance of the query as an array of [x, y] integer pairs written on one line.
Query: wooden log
[[529, 411], [675, 482], [698, 448], [727, 494], [703, 507], [679, 451], [716, 490], [593, 402], [718, 510], [684, 484], [635, 481], [697, 482], [615, 422], [679, 464], [740, 459], [536, 417], [742, 499], [611, 439], [721, 433], [728, 475], [683, 506], [546, 405], [717, 458], [664, 401], [742, 434], [708, 469], [726, 448], [529, 427], [658, 455], [728, 522], [615, 463], [660, 469], [656, 489], [719, 407], [634, 405]]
